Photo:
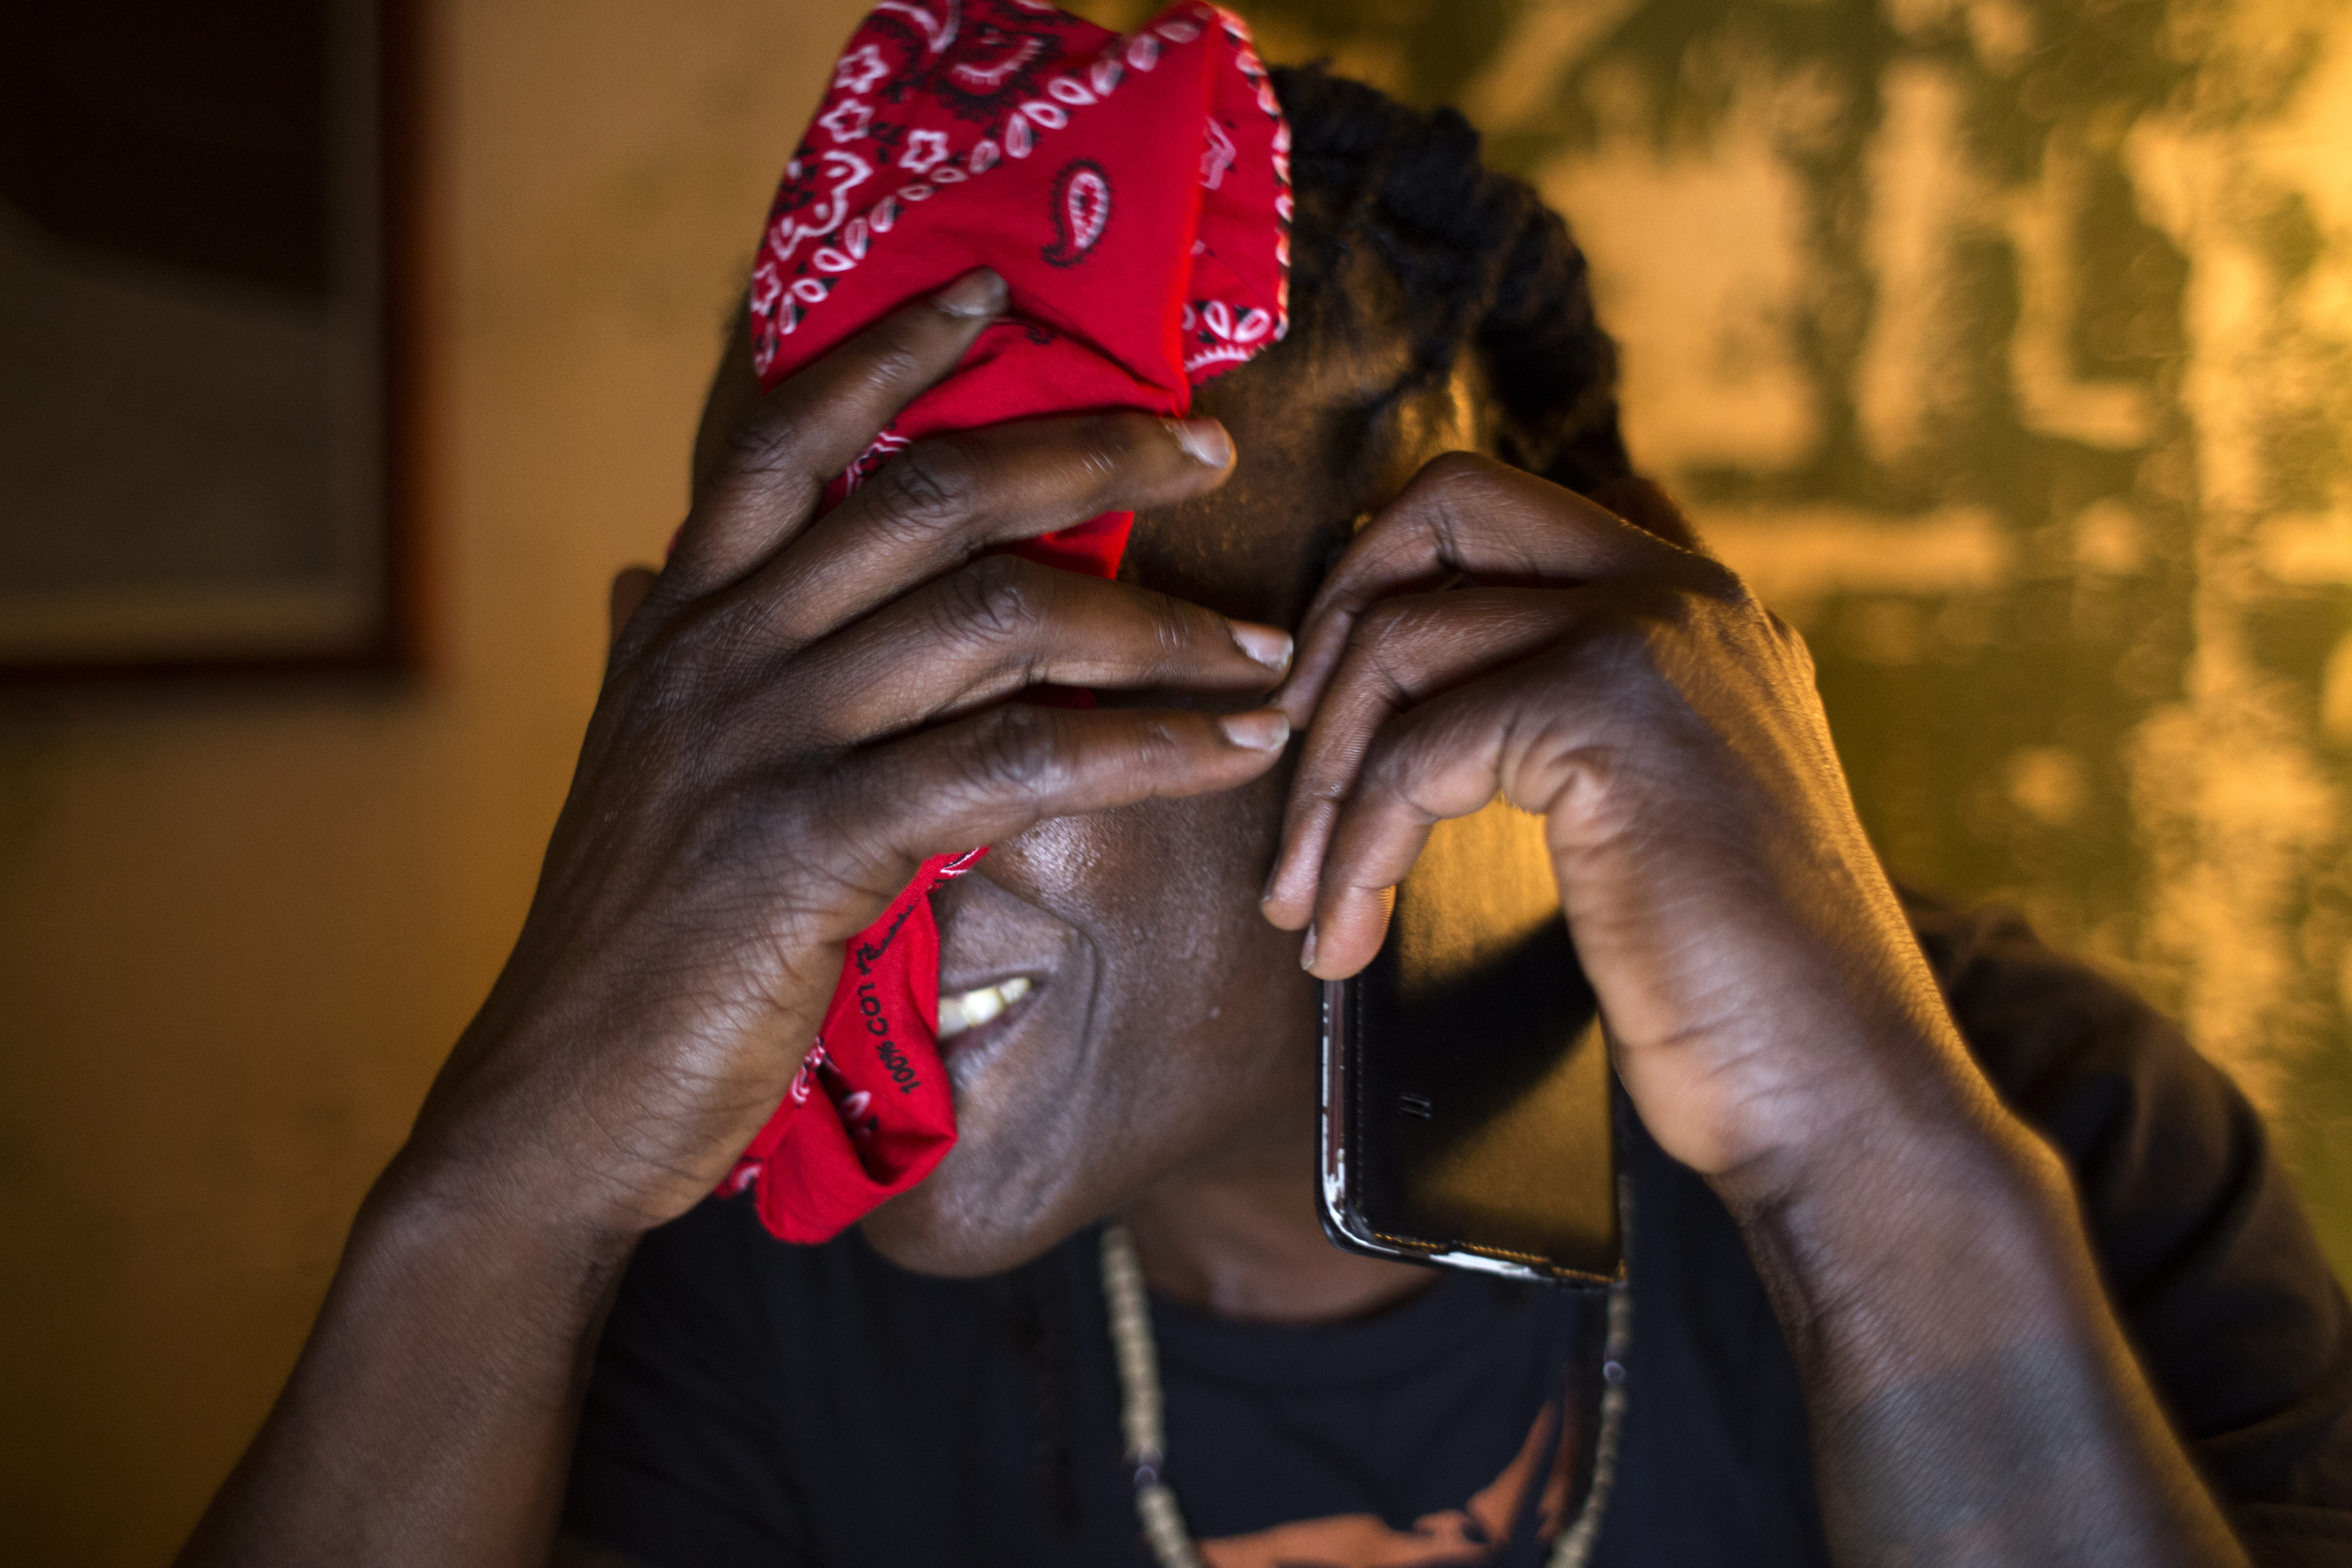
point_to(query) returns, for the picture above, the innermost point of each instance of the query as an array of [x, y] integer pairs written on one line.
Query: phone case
[[1466, 1098]]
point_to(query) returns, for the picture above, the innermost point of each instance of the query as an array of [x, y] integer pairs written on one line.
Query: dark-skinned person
[[1942, 1249]]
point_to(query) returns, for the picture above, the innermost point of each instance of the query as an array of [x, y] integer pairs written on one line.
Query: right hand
[[796, 713]]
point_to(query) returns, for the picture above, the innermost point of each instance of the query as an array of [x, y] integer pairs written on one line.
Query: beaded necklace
[[1140, 1410]]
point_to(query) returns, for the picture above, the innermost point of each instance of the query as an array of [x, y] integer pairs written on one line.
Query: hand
[[797, 711], [1765, 997]]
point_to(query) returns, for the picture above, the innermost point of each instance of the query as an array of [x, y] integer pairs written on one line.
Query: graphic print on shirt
[[1508, 1510]]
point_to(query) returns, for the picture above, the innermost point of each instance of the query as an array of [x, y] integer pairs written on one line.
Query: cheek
[[1167, 893], [1192, 1009], [1199, 1033]]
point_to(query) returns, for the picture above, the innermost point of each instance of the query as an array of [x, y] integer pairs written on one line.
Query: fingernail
[[1204, 440], [979, 292], [1263, 731], [1307, 950], [1267, 645], [1271, 878]]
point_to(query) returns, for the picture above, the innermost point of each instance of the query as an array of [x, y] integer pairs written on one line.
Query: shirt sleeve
[[681, 1458], [2206, 1252]]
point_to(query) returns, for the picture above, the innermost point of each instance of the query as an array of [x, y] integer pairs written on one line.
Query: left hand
[[1766, 1000]]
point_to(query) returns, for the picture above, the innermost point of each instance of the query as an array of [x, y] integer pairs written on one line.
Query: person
[[1942, 1248]]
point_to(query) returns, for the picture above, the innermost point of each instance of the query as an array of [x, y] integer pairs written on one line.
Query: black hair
[[1480, 266]]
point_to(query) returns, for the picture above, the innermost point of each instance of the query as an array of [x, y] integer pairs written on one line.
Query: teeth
[[975, 1007]]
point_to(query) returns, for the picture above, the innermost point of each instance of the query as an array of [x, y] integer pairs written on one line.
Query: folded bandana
[[1134, 193]]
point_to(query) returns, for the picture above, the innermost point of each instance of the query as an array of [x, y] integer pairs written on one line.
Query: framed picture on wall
[[204, 355]]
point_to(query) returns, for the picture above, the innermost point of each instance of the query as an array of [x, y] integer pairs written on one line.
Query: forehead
[[1319, 440]]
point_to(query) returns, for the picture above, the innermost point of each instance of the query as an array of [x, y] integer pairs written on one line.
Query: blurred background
[[2002, 343]]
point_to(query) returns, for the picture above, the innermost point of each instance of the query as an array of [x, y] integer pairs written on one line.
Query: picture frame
[[210, 292]]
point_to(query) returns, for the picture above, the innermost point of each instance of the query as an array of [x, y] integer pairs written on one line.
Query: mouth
[[973, 1023]]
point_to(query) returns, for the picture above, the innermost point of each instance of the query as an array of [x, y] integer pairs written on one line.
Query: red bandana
[[1135, 194]]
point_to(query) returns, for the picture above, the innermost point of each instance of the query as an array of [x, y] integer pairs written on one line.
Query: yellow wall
[[239, 926], [2005, 346]]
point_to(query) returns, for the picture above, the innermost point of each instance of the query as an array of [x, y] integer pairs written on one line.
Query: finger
[[1443, 760], [1470, 515], [941, 502], [1002, 624], [765, 478], [1405, 651], [734, 389], [985, 778], [629, 587]]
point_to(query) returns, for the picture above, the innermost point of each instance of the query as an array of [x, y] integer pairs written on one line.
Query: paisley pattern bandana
[[1133, 193]]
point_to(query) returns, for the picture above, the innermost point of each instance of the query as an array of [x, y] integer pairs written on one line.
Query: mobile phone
[[1467, 1103]]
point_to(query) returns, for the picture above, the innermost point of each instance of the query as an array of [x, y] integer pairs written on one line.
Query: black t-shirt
[[758, 1403]]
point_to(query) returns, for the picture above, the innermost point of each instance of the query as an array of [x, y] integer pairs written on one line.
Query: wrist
[[1876, 1236], [431, 1197], [511, 1135], [1884, 1094]]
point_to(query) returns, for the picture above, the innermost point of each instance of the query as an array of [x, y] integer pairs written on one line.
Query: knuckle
[[1180, 631], [761, 445], [931, 486], [1175, 633], [996, 598], [1018, 753], [1328, 779], [1451, 470], [1454, 490], [1793, 642], [1452, 486], [896, 364], [1113, 448], [1106, 444], [1718, 582]]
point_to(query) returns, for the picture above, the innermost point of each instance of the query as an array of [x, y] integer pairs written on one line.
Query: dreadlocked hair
[[1481, 265]]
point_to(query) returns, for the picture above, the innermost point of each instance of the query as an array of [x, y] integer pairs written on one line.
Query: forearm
[[1972, 1397], [429, 1416]]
